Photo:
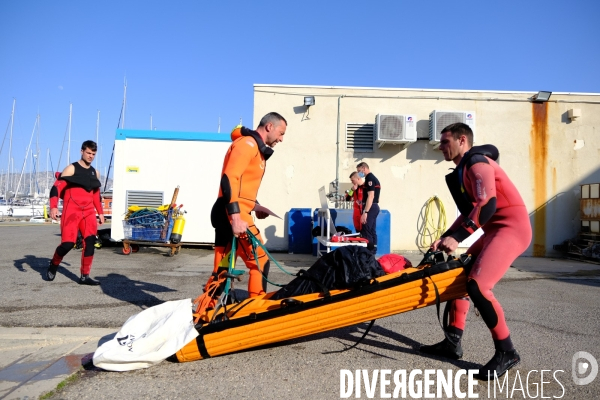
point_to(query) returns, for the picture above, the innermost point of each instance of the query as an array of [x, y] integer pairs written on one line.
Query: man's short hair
[[458, 129], [89, 144], [273, 118], [352, 175], [363, 164]]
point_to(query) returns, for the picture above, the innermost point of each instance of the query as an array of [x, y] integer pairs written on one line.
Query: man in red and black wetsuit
[[368, 219], [355, 195], [243, 169], [487, 198], [79, 187]]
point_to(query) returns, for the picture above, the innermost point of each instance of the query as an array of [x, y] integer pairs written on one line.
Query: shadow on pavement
[[106, 338], [40, 265], [137, 293], [352, 334]]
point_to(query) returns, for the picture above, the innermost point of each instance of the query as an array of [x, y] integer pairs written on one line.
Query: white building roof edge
[[258, 85]]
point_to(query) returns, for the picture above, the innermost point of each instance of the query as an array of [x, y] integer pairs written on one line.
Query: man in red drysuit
[[79, 187], [487, 198], [356, 196]]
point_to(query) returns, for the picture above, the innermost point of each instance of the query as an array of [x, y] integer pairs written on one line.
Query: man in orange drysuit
[[487, 198], [243, 169], [79, 187], [356, 196]]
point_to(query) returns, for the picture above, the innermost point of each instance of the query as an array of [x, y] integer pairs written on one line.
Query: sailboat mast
[[37, 154], [31, 170], [122, 121], [97, 129], [124, 104], [47, 157], [12, 121], [69, 145]]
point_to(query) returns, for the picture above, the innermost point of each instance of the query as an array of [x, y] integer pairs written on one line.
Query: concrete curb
[[33, 361]]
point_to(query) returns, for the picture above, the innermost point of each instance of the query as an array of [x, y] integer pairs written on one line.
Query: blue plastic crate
[[148, 234]]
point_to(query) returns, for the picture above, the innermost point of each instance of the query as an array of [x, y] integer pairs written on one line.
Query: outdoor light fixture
[[309, 101], [542, 96]]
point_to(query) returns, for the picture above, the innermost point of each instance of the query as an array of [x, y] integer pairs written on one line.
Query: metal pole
[[337, 147]]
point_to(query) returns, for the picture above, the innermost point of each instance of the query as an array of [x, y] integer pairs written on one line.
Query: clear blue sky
[[190, 62]]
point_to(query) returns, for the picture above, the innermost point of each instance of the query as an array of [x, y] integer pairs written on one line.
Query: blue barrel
[[344, 217], [299, 231], [384, 232]]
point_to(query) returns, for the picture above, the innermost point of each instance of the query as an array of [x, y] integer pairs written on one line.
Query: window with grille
[[359, 137]]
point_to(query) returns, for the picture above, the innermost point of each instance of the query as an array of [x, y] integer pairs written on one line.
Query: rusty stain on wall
[[538, 156], [590, 209]]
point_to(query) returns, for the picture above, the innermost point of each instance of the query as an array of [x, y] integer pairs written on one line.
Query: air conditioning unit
[[438, 120], [396, 129]]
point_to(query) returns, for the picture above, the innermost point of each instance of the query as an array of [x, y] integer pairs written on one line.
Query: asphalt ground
[[552, 308]]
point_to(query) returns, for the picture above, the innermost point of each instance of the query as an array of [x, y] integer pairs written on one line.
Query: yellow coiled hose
[[429, 229]]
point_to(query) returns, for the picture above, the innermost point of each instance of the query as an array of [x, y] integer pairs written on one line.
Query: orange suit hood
[[241, 131]]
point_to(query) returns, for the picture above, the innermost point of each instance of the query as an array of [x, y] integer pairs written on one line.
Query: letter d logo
[[580, 368]]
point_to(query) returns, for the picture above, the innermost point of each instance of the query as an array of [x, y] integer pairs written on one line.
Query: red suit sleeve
[[57, 192], [483, 187], [97, 198], [482, 181]]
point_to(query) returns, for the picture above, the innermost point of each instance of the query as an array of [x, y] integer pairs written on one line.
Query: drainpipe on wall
[[337, 149]]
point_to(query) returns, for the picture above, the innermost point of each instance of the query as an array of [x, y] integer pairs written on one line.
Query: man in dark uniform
[[371, 191], [79, 187]]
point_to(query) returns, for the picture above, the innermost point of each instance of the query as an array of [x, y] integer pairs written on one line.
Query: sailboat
[[31, 205], [4, 206]]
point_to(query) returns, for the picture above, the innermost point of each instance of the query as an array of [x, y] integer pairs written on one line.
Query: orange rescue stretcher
[[259, 321]]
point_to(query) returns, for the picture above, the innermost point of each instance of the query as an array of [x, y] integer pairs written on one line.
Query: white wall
[[543, 159], [194, 166]]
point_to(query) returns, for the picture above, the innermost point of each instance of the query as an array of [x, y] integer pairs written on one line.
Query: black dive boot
[[86, 280], [51, 272], [445, 348], [500, 363]]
